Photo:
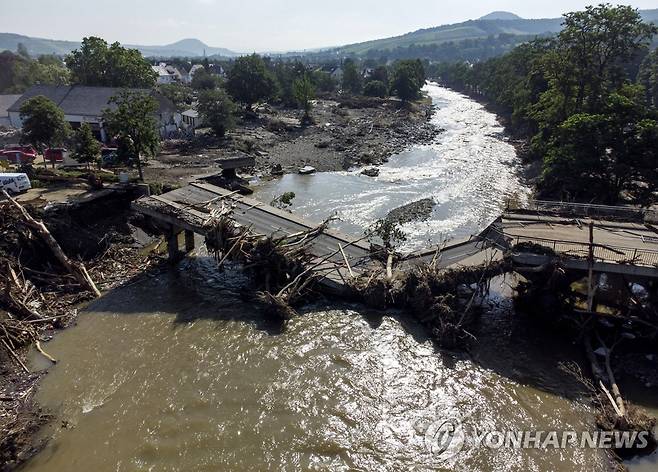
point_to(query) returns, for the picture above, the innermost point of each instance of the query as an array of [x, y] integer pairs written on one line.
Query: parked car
[[29, 150], [54, 155], [18, 157], [14, 182]]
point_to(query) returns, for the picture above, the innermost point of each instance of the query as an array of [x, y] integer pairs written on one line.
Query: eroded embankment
[[53, 261]]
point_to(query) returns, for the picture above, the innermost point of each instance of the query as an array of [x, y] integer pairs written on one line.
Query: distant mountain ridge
[[491, 25], [494, 24], [500, 15], [183, 48]]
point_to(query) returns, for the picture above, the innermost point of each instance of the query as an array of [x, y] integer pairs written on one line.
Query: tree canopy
[[216, 109], [579, 99], [43, 123], [408, 79], [375, 88], [304, 92], [204, 80], [18, 73], [352, 80], [97, 64], [86, 149], [648, 78], [132, 123], [249, 81]]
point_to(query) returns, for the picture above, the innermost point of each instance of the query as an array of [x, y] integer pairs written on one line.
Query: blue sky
[[256, 25]]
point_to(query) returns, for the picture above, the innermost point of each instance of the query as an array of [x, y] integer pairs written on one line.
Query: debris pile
[[281, 267], [42, 286], [443, 300]]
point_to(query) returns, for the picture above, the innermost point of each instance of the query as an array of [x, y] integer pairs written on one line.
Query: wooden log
[[77, 269]]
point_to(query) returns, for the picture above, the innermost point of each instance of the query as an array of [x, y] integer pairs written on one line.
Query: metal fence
[[602, 253], [625, 213]]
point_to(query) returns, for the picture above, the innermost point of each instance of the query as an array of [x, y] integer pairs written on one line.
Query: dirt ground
[[346, 132]]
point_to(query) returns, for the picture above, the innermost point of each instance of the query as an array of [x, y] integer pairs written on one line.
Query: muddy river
[[177, 372]]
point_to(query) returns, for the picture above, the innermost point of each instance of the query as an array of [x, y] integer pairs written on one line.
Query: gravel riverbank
[[347, 131]]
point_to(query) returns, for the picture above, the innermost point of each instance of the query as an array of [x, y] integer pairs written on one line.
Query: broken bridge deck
[[188, 208]]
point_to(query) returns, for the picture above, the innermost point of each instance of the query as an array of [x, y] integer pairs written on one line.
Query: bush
[[375, 88]]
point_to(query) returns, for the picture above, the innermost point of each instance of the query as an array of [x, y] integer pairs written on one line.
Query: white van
[[15, 183]]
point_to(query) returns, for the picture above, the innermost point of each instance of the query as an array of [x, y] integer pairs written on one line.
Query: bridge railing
[[603, 253], [626, 213]]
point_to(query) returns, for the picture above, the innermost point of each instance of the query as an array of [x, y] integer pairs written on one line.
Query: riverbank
[[41, 297], [346, 131]]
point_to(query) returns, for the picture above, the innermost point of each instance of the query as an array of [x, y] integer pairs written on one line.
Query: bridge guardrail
[[603, 253], [591, 210]]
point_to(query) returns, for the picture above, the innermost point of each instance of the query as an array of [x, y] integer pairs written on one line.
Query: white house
[[6, 101], [82, 104], [167, 74], [190, 120]]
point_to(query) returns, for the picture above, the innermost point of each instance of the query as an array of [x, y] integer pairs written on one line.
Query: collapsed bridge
[[618, 240]]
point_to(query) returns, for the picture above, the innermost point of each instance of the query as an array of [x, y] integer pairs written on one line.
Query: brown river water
[[178, 372]]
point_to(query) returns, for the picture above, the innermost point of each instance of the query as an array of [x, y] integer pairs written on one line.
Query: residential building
[[82, 104], [167, 74], [6, 101], [190, 120]]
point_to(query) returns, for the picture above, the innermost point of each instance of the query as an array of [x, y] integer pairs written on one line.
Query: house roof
[[7, 101], [161, 70], [84, 101], [191, 113]]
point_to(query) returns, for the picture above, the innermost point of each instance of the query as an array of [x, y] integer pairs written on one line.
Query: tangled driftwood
[[281, 267], [443, 300]]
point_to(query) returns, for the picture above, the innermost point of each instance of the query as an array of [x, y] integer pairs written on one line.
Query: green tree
[[44, 125], [375, 88], [607, 155], [408, 79], [286, 74], [323, 81], [597, 44], [86, 149], [131, 119], [216, 109], [181, 95], [352, 81], [97, 64], [204, 80], [249, 81], [648, 77], [304, 93], [27, 73], [21, 49]]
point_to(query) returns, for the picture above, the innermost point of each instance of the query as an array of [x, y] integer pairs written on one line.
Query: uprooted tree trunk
[[282, 268], [76, 269]]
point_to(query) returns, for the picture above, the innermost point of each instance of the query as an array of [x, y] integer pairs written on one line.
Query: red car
[[28, 150], [54, 155], [18, 157]]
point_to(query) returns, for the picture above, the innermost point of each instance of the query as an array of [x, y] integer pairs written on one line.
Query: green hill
[[491, 25]]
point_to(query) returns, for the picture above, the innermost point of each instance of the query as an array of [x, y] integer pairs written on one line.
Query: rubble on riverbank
[[41, 295], [347, 132]]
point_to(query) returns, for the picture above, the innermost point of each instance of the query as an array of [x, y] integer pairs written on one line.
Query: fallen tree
[[41, 288], [282, 267]]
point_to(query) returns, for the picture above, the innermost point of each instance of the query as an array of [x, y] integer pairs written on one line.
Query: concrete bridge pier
[[173, 243]]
